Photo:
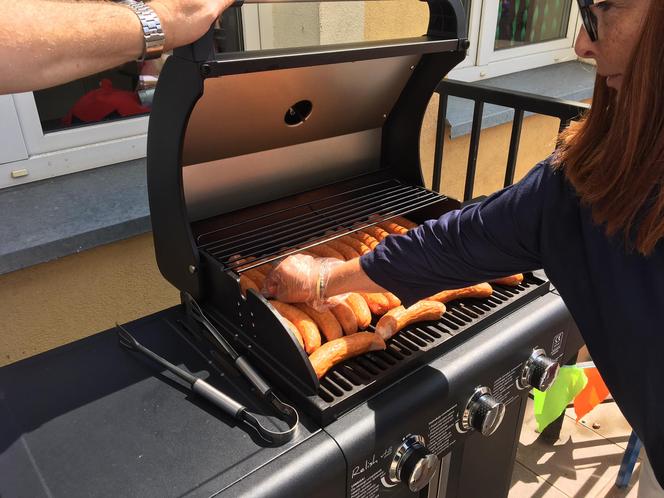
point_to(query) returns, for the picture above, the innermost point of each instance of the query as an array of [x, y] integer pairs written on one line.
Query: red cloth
[[592, 395], [98, 104]]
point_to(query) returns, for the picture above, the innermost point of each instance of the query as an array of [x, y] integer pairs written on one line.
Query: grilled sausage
[[398, 318], [307, 327], [257, 277], [392, 227], [478, 291], [377, 302], [376, 232], [325, 251], [360, 308], [347, 251], [294, 330], [512, 280], [326, 321], [366, 239], [393, 300], [346, 317], [359, 246], [246, 283], [338, 350], [405, 222]]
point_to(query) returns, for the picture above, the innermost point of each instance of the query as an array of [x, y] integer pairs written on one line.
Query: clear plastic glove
[[300, 279]]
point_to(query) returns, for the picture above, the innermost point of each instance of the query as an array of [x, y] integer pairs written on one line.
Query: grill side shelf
[[253, 324]]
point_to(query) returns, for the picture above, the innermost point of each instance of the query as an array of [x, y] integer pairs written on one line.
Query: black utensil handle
[[226, 403], [253, 376]]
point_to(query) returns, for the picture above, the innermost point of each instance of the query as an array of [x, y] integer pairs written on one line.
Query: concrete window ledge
[[49, 219], [46, 220]]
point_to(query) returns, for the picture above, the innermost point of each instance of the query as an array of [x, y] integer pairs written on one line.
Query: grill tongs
[[226, 403]]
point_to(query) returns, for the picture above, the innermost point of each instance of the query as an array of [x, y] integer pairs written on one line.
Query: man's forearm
[[45, 42]]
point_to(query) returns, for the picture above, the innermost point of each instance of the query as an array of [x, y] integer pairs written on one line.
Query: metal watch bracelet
[[153, 34]]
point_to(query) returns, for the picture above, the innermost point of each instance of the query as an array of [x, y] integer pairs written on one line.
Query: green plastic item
[[551, 404]]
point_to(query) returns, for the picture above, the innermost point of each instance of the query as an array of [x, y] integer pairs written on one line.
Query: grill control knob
[[539, 371], [413, 463], [483, 412]]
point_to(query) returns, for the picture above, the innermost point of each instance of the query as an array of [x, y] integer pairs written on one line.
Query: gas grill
[[253, 157], [259, 156]]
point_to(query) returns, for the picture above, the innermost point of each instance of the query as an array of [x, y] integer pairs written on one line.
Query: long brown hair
[[614, 156]]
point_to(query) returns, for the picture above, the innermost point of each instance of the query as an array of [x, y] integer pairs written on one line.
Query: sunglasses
[[588, 17]]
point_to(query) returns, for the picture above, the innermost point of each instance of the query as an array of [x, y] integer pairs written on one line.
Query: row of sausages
[[332, 336]]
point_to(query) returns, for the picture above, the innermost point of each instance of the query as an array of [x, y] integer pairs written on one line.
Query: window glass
[[120, 93], [525, 22]]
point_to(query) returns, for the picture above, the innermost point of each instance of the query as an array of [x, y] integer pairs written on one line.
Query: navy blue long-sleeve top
[[616, 296]]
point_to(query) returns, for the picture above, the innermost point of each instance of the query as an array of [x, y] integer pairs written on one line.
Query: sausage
[[360, 308], [376, 232], [359, 246], [366, 239], [326, 321], [338, 350], [257, 277], [398, 318], [405, 222], [346, 317], [512, 280], [294, 330], [325, 251], [347, 251], [478, 291], [246, 283], [392, 227], [393, 300], [377, 302], [307, 327]]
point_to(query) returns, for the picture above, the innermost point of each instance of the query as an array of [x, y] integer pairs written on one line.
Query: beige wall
[[58, 302]]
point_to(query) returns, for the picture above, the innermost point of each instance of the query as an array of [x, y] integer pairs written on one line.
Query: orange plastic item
[[592, 395]]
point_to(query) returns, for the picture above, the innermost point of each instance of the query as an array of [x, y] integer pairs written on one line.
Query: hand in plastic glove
[[300, 279]]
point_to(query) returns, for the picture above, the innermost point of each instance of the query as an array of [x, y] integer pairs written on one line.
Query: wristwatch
[[153, 34]]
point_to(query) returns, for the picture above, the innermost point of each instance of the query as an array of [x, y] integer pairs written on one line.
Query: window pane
[[524, 22], [120, 93]]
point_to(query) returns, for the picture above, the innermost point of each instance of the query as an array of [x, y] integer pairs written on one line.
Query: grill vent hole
[[298, 113]]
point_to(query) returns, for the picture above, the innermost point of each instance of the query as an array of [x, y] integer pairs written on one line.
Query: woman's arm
[[49, 42]]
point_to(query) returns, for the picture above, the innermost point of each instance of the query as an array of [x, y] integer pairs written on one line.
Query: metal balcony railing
[[565, 110]]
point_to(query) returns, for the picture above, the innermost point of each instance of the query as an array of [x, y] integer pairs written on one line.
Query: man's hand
[[185, 21], [44, 43]]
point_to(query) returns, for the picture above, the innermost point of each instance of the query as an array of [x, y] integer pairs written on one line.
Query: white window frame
[[474, 17], [70, 150], [487, 54], [490, 63], [38, 142]]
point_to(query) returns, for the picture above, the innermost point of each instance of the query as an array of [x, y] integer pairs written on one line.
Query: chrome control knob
[[539, 371], [483, 412], [413, 464]]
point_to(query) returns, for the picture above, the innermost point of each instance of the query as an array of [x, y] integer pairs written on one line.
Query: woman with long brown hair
[[591, 215]]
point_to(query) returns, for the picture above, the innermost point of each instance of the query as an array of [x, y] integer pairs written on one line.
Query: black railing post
[[515, 140], [474, 149], [440, 143]]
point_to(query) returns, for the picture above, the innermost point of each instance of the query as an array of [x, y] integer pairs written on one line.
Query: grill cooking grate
[[416, 344], [304, 225]]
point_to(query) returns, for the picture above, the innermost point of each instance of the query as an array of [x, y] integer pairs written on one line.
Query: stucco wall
[[58, 302]]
